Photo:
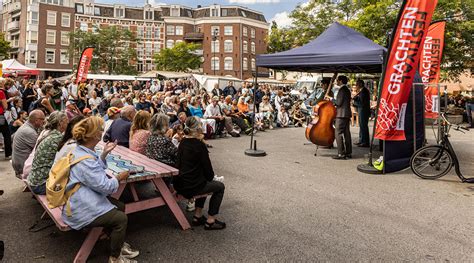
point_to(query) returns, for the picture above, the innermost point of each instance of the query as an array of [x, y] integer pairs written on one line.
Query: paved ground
[[288, 206]]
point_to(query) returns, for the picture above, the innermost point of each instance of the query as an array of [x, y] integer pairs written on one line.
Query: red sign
[[402, 63], [84, 64], [429, 68]]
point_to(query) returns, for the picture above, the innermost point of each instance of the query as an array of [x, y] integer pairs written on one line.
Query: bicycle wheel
[[431, 162]]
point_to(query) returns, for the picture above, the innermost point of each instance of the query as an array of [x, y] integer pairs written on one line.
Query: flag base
[[368, 169], [255, 153]]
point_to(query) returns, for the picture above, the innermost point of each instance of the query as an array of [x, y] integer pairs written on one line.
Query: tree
[[114, 49], [182, 57], [376, 19], [4, 46]]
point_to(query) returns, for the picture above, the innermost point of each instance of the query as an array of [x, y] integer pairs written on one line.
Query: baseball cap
[[86, 111], [112, 111], [69, 103]]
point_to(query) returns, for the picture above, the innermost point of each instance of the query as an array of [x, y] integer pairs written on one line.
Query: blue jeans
[[38, 189], [469, 110]]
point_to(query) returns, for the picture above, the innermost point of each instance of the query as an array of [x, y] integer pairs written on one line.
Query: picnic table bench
[[124, 158]]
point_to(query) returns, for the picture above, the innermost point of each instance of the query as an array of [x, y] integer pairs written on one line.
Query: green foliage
[[181, 57], [114, 50], [4, 46], [376, 19]]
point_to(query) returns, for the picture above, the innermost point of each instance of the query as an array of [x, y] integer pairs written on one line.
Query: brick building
[[230, 36]]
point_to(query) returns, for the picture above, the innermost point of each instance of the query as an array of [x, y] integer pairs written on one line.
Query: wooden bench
[[56, 215]]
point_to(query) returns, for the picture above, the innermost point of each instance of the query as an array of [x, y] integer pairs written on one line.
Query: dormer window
[[97, 11], [174, 11], [149, 14], [215, 11], [119, 12]]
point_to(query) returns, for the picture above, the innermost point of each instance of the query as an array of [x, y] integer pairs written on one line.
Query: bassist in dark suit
[[343, 119]]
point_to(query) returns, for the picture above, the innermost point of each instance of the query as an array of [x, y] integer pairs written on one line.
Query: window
[[64, 38], [157, 47], [89, 10], [148, 32], [84, 26], [139, 32], [97, 11], [34, 18], [228, 63], [215, 63], [174, 11], [228, 31], [169, 43], [51, 37], [245, 31], [245, 64], [215, 30], [228, 46], [119, 12], [252, 48], [243, 13], [157, 32], [252, 32], [214, 11], [170, 30], [80, 8], [149, 14], [215, 46], [253, 64], [65, 20], [64, 57], [51, 18], [223, 12], [50, 56], [32, 57], [245, 47], [148, 49], [179, 30], [33, 37], [190, 14], [140, 51]]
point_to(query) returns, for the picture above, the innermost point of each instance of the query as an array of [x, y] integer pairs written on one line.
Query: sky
[[277, 10]]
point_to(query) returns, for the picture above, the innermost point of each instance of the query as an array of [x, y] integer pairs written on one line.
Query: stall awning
[[12, 66]]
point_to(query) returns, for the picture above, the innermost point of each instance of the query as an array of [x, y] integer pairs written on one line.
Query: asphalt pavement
[[285, 207]]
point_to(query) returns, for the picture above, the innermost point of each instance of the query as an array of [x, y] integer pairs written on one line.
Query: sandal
[[217, 225], [199, 221]]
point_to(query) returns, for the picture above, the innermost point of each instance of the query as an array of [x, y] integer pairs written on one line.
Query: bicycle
[[435, 161]]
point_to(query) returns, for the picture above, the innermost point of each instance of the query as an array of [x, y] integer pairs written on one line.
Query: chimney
[[199, 6]]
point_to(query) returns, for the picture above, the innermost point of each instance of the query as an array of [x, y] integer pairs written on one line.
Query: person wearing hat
[[72, 110], [213, 111], [183, 107], [87, 112], [113, 113]]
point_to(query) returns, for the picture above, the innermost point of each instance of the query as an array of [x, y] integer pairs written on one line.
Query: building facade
[[230, 36]]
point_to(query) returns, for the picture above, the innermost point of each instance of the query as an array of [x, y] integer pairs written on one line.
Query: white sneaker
[[219, 178], [128, 252], [122, 259], [190, 206]]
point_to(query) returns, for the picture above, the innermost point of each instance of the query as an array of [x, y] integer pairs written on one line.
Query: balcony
[[194, 36], [14, 7], [15, 43], [14, 25]]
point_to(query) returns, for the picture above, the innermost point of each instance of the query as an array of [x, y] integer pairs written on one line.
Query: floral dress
[[162, 149], [44, 158]]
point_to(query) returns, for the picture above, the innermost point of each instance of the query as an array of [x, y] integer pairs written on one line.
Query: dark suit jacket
[[343, 103], [362, 101]]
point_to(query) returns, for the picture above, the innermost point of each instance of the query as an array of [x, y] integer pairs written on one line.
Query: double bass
[[321, 131]]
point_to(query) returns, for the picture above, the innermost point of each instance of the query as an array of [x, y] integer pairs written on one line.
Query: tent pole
[[414, 117]]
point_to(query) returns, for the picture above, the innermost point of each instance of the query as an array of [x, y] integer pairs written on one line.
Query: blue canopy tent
[[338, 49], [343, 50]]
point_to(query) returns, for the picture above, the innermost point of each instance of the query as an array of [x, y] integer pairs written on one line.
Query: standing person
[[120, 129], [230, 90], [362, 103], [469, 110], [45, 102], [216, 91], [29, 96], [196, 176], [94, 102], [4, 129], [343, 119], [90, 204]]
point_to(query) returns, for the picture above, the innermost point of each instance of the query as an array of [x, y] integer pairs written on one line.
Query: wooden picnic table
[[155, 172]]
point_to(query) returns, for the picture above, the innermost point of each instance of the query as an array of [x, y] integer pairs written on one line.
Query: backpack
[[57, 181]]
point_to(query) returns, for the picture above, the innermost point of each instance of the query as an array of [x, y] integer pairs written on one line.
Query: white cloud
[[154, 3], [253, 2], [282, 19]]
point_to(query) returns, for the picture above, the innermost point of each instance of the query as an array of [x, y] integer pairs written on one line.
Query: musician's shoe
[[363, 145], [348, 156], [339, 157]]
